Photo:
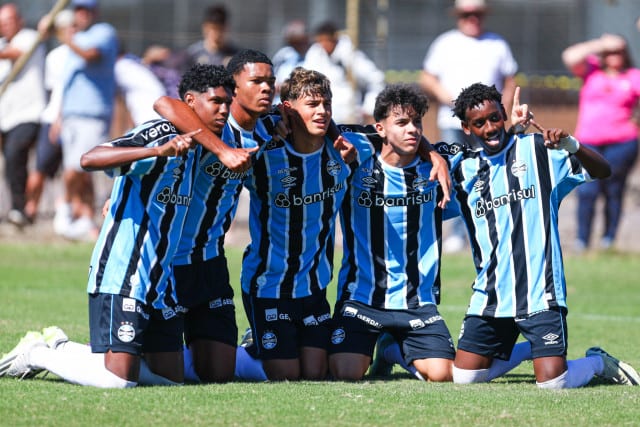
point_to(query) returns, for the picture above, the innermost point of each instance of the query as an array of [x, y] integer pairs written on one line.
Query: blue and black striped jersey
[[215, 196], [510, 204], [294, 200], [141, 230], [391, 230]]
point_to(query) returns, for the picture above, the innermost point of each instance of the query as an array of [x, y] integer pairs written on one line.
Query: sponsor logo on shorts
[[310, 321], [416, 324], [129, 304], [126, 332], [142, 313], [349, 312], [271, 314], [168, 313], [269, 340], [337, 336], [369, 321], [324, 317], [220, 302], [550, 338]]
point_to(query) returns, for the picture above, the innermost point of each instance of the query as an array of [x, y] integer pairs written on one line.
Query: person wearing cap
[[607, 123], [87, 107], [20, 105], [456, 59]]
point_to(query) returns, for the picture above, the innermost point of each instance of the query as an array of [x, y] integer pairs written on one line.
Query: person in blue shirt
[[509, 190], [392, 222], [133, 306]]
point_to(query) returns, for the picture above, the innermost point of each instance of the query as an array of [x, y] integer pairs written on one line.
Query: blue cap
[[89, 4]]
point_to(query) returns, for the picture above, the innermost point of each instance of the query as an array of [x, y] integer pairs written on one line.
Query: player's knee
[[469, 376], [556, 383]]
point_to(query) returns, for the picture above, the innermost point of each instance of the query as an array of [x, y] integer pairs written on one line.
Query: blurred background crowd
[[94, 70]]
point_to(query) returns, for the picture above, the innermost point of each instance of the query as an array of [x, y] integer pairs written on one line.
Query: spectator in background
[[87, 107], [214, 48], [608, 100], [355, 79], [291, 55], [165, 65], [20, 105], [48, 149], [447, 70], [139, 87]]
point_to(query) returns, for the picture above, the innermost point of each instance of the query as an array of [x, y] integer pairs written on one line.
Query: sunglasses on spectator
[[467, 15]]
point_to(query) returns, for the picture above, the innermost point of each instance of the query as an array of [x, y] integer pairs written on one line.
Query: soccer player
[[390, 275], [509, 191], [132, 300]]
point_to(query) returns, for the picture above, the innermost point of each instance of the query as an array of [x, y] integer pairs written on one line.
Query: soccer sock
[[189, 370], [581, 371], [469, 376], [520, 352], [248, 368], [83, 368], [556, 383], [392, 354], [73, 347], [147, 377]]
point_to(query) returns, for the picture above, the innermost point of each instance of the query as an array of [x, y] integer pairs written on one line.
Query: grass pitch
[[45, 285]]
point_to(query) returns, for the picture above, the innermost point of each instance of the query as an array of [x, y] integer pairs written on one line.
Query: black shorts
[[48, 154], [495, 336], [421, 332], [282, 326], [203, 289], [125, 325]]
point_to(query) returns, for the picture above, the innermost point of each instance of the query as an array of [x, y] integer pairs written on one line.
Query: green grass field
[[45, 285]]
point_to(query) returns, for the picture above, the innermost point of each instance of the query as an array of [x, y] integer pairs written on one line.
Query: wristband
[[570, 144]]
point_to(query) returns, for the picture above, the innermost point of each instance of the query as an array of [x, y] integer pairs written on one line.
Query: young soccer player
[[390, 275], [132, 301], [509, 193]]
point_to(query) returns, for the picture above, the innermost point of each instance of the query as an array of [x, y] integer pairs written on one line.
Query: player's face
[[255, 87], [311, 112], [402, 131], [485, 125], [212, 106]]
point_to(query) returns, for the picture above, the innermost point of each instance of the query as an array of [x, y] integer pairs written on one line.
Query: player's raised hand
[[520, 115], [346, 149]]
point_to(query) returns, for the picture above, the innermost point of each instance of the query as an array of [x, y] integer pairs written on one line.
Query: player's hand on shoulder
[[178, 145]]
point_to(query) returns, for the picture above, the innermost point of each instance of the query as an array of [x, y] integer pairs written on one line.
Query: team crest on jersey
[[337, 336], [269, 340], [333, 168], [518, 168], [419, 183], [126, 332]]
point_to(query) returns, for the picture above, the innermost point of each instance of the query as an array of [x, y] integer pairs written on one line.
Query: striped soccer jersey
[[215, 196], [391, 228], [140, 233], [510, 204], [294, 200]]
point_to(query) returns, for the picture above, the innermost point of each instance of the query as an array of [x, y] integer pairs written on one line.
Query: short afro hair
[[246, 56], [400, 95], [474, 95], [201, 77]]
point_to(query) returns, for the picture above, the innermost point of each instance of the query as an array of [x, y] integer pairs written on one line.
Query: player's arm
[[593, 162], [107, 156], [186, 120], [439, 170]]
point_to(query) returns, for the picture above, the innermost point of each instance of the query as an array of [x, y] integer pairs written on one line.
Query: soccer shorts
[[421, 332], [79, 135], [48, 154], [123, 324], [282, 326], [495, 336], [203, 289]]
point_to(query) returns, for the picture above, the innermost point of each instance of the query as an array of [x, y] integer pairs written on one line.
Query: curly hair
[[402, 95], [302, 82], [201, 77], [474, 95], [246, 56]]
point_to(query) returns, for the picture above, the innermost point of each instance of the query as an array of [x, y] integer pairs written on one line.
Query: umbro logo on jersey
[[550, 339], [288, 181], [518, 168], [478, 186], [369, 181]]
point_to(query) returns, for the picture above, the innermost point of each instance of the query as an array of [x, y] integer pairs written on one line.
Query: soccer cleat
[[247, 338], [54, 336], [380, 367], [16, 362], [615, 370]]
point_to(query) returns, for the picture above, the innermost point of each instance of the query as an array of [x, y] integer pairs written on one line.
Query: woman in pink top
[[608, 101]]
